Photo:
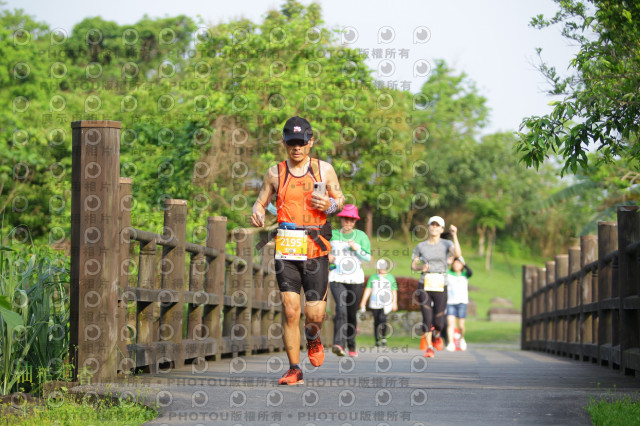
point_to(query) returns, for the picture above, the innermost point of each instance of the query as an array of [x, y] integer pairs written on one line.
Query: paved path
[[485, 385]]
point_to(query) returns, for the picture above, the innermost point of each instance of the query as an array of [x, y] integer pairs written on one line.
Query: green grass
[[482, 331], [367, 341], [72, 413], [478, 331], [624, 411]]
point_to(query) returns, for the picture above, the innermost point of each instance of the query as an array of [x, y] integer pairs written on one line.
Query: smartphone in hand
[[319, 188]]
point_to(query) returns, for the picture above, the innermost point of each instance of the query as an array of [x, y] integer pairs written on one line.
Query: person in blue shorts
[[457, 300]]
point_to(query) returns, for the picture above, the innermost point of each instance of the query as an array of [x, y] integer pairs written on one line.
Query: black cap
[[297, 128]]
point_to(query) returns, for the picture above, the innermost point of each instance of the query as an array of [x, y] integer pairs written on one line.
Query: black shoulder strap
[[266, 238]]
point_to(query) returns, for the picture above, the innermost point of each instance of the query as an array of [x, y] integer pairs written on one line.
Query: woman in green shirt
[[349, 248]]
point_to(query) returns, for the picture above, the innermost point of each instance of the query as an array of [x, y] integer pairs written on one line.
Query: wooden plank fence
[[177, 302], [586, 304]]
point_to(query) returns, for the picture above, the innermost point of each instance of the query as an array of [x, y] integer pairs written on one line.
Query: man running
[[306, 190]]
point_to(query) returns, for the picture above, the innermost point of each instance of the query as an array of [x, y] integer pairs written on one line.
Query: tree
[[446, 116], [601, 104], [25, 190], [490, 216], [262, 74], [202, 109], [493, 188]]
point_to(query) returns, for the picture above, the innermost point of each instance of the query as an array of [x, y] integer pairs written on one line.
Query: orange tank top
[[293, 202]]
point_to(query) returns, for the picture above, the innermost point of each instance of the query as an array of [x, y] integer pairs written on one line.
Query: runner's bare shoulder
[[326, 167], [272, 174]]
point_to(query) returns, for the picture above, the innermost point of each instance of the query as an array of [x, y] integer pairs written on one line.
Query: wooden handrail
[[163, 308], [171, 242], [590, 310]]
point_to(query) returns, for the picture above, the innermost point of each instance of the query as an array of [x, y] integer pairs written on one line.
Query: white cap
[[381, 264], [437, 219]]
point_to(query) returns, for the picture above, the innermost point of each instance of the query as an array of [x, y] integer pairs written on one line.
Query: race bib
[[434, 282], [291, 244]]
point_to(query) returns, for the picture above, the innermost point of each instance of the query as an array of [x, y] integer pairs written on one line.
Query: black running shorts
[[311, 274]]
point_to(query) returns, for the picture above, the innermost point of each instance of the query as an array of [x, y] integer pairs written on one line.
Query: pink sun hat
[[349, 210]]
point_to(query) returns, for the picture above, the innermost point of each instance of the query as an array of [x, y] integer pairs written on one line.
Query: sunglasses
[[297, 142]]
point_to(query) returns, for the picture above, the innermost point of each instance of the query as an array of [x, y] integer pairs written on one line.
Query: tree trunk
[[482, 230], [368, 220], [405, 225], [490, 246]]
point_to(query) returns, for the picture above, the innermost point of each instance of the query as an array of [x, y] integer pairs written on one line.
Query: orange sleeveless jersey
[[293, 202]]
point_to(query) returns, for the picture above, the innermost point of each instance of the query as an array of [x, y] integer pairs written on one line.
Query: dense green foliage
[[600, 105], [202, 109]]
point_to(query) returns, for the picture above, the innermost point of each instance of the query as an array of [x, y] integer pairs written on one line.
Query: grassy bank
[[478, 331], [17, 409]]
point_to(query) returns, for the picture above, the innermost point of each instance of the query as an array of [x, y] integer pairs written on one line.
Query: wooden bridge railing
[[586, 304], [177, 302]]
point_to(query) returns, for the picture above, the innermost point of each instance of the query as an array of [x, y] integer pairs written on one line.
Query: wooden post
[[535, 310], [628, 233], [196, 284], [241, 331], [542, 305], [214, 278], [261, 313], [147, 313], [573, 317], [94, 248], [574, 266], [588, 254], [530, 305], [551, 304], [258, 340], [607, 243], [269, 285], [125, 324], [562, 270], [528, 276], [173, 269]]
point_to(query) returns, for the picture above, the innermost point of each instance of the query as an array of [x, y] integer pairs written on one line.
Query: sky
[[490, 40]]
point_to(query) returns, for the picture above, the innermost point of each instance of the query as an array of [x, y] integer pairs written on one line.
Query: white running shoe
[[451, 347], [463, 344]]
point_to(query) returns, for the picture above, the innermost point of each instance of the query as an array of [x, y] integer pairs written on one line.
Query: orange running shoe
[[315, 352], [438, 343], [429, 353], [423, 343], [293, 376]]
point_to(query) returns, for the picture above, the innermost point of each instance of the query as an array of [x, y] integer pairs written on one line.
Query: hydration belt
[[312, 231]]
